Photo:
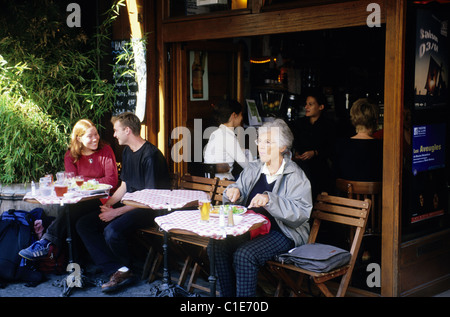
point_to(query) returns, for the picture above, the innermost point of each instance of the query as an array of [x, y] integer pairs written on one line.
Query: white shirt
[[271, 178], [223, 147]]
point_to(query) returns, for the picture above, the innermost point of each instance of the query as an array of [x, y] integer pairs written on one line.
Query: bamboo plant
[[50, 77]]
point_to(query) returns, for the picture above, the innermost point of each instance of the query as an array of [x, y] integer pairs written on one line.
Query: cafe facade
[[265, 51]]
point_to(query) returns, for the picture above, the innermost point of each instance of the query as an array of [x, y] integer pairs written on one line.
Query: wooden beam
[[393, 144], [133, 16], [328, 16]]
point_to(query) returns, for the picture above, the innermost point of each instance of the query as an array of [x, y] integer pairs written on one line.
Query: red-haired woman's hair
[[79, 129]]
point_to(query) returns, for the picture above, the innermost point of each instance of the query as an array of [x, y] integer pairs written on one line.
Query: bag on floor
[[54, 263]]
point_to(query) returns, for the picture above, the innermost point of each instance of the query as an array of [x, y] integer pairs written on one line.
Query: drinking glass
[[60, 177], [60, 189], [205, 208], [45, 185], [79, 180], [70, 176]]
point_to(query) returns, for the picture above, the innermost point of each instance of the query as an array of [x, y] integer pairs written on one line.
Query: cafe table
[[75, 278], [188, 222], [165, 200]]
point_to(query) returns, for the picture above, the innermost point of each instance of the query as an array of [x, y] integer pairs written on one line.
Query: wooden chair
[[208, 185], [361, 191], [333, 209], [220, 188]]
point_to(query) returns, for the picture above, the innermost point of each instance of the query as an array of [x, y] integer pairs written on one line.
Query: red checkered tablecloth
[[163, 198], [189, 220]]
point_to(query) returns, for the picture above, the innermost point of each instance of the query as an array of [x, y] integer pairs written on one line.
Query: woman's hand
[[306, 156], [260, 200], [233, 194]]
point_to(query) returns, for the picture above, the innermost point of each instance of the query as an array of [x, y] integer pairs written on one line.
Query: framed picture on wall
[[253, 114], [198, 68]]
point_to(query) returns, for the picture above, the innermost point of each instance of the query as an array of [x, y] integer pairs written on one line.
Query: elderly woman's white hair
[[286, 138]]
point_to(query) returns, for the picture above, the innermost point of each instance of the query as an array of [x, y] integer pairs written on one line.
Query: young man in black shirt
[[105, 234]]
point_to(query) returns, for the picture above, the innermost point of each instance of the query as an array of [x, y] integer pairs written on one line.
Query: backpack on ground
[[17, 233]]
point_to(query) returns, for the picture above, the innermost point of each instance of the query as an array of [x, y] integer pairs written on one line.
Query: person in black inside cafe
[[360, 157], [105, 234], [313, 143]]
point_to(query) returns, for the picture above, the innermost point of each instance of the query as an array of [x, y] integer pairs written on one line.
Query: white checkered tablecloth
[[189, 220], [163, 198]]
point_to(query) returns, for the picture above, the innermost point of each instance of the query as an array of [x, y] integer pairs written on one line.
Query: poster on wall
[[428, 147], [431, 60], [427, 184], [428, 169]]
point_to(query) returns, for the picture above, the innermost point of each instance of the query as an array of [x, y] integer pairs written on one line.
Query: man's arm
[[107, 212]]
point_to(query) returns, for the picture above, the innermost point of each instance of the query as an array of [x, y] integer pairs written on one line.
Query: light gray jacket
[[290, 201]]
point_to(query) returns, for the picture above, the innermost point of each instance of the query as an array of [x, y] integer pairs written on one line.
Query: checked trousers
[[238, 260]]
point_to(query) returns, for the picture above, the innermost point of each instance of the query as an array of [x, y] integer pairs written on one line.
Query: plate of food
[[237, 210], [92, 188]]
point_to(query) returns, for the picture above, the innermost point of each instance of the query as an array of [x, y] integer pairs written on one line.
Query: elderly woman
[[277, 188]]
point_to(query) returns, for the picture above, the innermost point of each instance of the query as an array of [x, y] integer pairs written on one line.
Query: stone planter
[[11, 197]]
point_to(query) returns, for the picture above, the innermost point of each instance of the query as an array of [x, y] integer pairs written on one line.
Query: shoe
[[117, 281], [36, 251]]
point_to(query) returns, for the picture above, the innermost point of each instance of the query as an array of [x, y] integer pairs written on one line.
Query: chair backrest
[[345, 211], [205, 184], [220, 188], [361, 191], [174, 180], [210, 170]]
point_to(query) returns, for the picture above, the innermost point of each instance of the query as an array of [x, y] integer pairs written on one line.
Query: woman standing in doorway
[[314, 138]]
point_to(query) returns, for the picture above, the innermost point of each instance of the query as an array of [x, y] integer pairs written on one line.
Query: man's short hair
[[130, 120]]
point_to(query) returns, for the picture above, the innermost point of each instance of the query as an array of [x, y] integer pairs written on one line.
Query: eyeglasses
[[266, 143]]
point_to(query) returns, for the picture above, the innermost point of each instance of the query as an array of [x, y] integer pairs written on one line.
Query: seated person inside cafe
[[360, 158], [223, 145], [313, 144], [87, 156], [105, 233], [277, 188]]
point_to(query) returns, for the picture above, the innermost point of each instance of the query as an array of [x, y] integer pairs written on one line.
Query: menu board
[[125, 83]]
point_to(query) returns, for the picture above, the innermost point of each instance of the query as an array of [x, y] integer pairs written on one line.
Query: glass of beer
[[60, 189], [205, 208]]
